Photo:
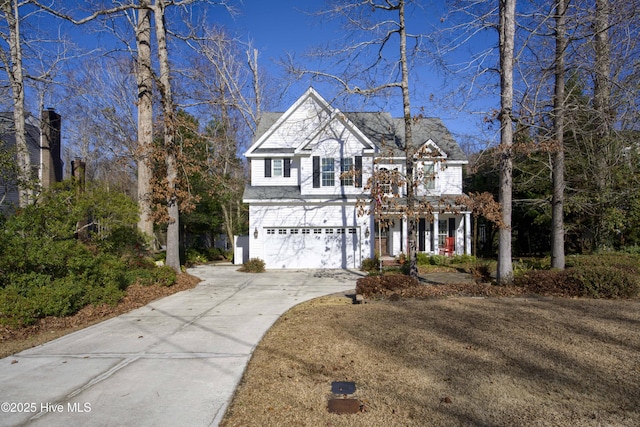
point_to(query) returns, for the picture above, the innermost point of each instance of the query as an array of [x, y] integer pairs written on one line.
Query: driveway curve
[[173, 362]]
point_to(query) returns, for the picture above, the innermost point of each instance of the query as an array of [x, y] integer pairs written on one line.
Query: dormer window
[[429, 176], [277, 168]]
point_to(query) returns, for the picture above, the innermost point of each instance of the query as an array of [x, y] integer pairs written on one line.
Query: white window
[[328, 173], [282, 231], [352, 231], [277, 167], [339, 230], [306, 231], [429, 176], [346, 171], [443, 232], [317, 231], [294, 231], [388, 180], [271, 231], [329, 231]]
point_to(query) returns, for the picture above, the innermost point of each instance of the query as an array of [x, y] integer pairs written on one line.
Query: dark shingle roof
[[7, 131], [387, 132], [291, 192]]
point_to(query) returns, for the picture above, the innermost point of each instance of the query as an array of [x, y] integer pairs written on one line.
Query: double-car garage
[[312, 247]]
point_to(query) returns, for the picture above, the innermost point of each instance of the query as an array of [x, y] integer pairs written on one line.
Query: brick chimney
[[50, 159]]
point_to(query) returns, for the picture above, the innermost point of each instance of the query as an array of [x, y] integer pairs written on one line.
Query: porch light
[[255, 233], [366, 233]]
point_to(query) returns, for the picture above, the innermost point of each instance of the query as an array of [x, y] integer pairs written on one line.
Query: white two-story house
[[310, 205]]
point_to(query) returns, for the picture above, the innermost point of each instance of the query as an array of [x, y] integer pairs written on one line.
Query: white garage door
[[326, 247]]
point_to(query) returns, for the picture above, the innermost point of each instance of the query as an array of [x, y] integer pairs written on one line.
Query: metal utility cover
[[343, 387], [344, 406]]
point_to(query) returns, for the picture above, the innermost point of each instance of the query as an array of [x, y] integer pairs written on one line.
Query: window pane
[[277, 167], [443, 232], [328, 178], [346, 168], [429, 177]]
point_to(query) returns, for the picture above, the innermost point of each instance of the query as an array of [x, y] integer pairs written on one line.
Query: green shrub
[[253, 265], [164, 276], [422, 258], [605, 281], [462, 259], [439, 260], [217, 254], [20, 306], [583, 281], [142, 276], [194, 257], [123, 240], [371, 264], [547, 282], [15, 308], [611, 259], [384, 285], [161, 276]]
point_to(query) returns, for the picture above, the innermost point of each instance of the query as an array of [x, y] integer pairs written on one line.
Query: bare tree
[[507, 38], [144, 74], [168, 110], [222, 72], [170, 189], [602, 107], [557, 203], [13, 66], [383, 32]]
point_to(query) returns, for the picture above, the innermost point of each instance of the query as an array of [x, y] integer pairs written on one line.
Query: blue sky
[[287, 26], [278, 27]]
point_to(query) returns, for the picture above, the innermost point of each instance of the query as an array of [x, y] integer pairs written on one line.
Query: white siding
[[323, 216], [258, 178], [450, 180], [328, 146], [299, 126]]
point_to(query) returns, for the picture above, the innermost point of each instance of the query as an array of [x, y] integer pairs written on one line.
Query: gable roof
[[8, 134], [386, 132]]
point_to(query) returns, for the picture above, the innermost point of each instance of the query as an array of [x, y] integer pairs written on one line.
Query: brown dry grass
[[13, 340], [448, 362]]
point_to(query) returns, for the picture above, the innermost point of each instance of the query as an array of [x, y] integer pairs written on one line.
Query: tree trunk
[[601, 96], [507, 40], [173, 227], [145, 117], [16, 81], [557, 203], [408, 141]]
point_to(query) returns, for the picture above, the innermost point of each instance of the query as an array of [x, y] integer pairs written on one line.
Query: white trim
[[310, 93]]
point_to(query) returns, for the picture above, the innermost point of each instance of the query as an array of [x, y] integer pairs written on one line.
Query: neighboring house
[[43, 142], [305, 213]]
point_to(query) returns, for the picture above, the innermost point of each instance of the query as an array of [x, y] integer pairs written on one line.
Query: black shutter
[[452, 227], [287, 168], [316, 171], [267, 168], [358, 178], [422, 225], [432, 241]]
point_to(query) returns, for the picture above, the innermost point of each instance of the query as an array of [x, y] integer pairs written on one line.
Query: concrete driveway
[[174, 362]]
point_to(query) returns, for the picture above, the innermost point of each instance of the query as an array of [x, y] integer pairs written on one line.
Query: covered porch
[[446, 234]]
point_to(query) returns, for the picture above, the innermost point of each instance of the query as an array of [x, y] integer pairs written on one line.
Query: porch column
[[467, 233], [404, 237], [436, 245]]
